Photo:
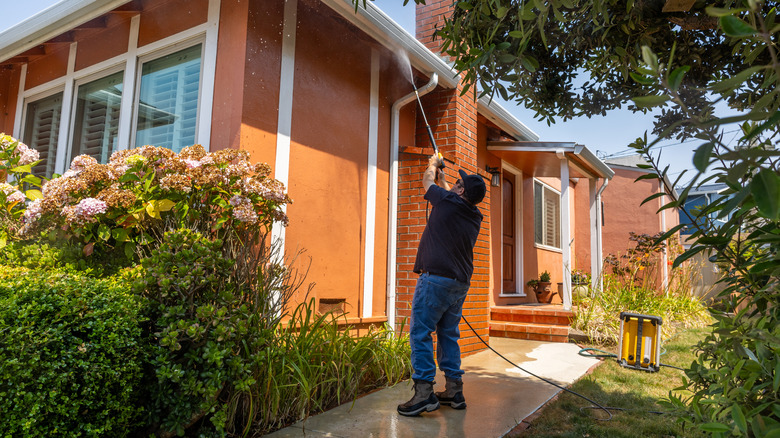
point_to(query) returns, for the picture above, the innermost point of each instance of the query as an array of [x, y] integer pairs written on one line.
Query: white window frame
[[28, 99], [78, 83], [520, 281], [205, 34], [173, 48], [560, 231]]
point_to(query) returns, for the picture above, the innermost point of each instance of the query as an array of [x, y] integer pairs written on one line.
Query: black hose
[[595, 405]]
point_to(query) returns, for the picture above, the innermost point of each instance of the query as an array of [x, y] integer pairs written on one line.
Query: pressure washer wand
[[427, 126]]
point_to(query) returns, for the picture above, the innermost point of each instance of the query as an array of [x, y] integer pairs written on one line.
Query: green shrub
[[70, 355], [314, 365]]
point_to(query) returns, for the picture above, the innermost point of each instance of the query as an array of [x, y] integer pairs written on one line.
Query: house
[[624, 211], [322, 93]]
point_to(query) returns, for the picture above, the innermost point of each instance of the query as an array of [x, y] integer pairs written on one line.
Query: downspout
[[392, 222], [597, 279]]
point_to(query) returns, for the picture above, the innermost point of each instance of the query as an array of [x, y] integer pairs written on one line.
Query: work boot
[[423, 400], [452, 395]]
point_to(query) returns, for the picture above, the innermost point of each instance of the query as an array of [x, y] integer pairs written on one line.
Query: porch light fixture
[[495, 176]]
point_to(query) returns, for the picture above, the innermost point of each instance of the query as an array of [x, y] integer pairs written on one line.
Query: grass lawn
[[611, 385]]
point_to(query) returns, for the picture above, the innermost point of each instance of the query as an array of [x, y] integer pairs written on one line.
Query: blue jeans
[[436, 306]]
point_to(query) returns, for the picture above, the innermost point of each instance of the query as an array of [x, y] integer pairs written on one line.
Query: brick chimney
[[453, 120]]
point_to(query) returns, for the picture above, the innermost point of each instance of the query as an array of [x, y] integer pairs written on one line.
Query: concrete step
[[529, 331]]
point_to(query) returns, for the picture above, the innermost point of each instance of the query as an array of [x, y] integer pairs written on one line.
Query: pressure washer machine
[[640, 342]]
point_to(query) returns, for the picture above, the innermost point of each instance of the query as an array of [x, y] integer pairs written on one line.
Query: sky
[[606, 136]]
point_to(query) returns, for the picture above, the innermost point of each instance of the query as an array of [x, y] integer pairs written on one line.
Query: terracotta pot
[[544, 292]]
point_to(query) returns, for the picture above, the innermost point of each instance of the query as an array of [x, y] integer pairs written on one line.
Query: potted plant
[[544, 292], [532, 284], [580, 283]]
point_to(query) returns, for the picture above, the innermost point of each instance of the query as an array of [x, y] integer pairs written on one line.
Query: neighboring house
[[624, 212], [707, 287], [698, 198], [318, 91]]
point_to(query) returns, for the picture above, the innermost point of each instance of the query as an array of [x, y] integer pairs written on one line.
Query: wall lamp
[[495, 176]]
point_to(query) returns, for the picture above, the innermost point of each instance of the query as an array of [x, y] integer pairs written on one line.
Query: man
[[445, 262]]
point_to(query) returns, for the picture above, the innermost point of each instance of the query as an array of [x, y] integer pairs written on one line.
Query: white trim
[[284, 124], [208, 76], [373, 145], [126, 116], [565, 230], [72, 116], [20, 104], [63, 139], [520, 281], [560, 208]]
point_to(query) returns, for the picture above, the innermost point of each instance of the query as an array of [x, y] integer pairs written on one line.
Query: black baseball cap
[[474, 187]]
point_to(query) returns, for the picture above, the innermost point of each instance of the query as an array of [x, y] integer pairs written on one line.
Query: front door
[[509, 265]]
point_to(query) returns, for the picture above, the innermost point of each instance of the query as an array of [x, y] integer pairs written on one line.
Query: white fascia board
[[497, 114], [390, 34], [51, 22], [554, 147]]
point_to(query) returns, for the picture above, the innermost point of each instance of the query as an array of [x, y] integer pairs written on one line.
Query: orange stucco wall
[[104, 44], [157, 23]]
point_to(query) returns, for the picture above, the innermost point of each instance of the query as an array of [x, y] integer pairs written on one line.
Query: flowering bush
[[16, 161], [142, 193]]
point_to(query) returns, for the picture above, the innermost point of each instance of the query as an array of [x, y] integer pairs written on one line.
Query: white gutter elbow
[[392, 222]]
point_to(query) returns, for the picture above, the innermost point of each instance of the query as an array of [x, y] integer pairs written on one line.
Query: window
[[96, 122], [165, 101], [168, 109], [41, 131], [547, 216]]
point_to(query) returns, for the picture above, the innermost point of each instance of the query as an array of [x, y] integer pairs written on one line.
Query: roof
[[544, 158], [628, 161], [68, 14]]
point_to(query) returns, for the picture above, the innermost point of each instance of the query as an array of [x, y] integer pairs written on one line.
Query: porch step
[[537, 323]]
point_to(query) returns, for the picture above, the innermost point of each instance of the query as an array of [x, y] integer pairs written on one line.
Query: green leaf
[[677, 76], [33, 194], [529, 63], [516, 34], [129, 250], [687, 254], [765, 188], [714, 427], [736, 80], [649, 58], [104, 232], [31, 179], [27, 168], [650, 101], [739, 418], [119, 234], [735, 28], [701, 158], [642, 79]]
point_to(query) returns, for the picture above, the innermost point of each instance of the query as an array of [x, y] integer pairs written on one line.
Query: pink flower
[[82, 162], [16, 196], [89, 207], [192, 164], [33, 211]]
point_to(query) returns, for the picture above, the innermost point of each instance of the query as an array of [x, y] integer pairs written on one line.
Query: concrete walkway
[[498, 395]]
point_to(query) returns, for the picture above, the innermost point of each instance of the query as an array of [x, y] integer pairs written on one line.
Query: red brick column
[[453, 120]]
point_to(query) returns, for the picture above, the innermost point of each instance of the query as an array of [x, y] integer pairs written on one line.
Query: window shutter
[[41, 131], [97, 117], [168, 108]]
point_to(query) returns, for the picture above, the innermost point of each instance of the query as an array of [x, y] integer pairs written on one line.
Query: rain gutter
[[392, 223]]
